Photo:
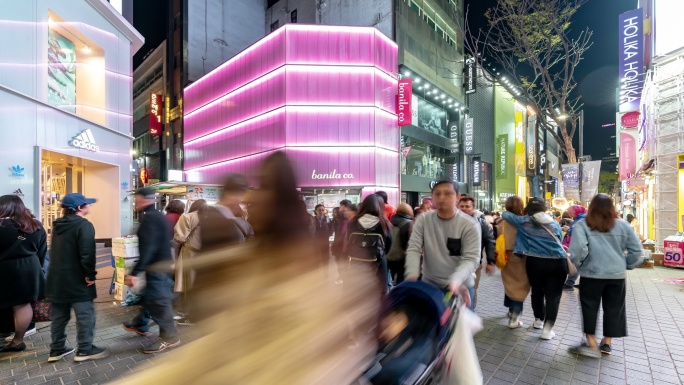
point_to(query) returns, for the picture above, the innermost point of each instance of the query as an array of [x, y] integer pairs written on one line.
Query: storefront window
[[429, 116], [423, 159]]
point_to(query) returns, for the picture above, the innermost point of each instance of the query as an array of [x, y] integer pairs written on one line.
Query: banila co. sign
[[631, 66], [85, 140], [404, 98], [331, 175]]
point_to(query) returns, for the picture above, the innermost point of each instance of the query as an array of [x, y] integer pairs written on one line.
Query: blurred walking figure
[[155, 261], [603, 248], [514, 275], [402, 223], [322, 233], [538, 239], [369, 239], [71, 280], [187, 235], [269, 314], [340, 229], [223, 224], [174, 210], [451, 242], [577, 213], [23, 245]]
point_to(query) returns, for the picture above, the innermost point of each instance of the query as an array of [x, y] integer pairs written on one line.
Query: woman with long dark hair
[[514, 275], [369, 238], [538, 239], [603, 248], [23, 245]]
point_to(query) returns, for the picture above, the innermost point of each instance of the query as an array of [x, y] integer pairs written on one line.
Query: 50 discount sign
[[673, 253]]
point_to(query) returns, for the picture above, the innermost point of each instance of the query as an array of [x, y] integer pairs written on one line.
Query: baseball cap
[[76, 200], [535, 205], [147, 192]]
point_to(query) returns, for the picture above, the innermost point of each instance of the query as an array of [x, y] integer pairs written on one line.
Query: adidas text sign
[[17, 171], [85, 140]]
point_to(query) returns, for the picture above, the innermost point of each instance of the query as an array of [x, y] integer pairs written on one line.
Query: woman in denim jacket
[[538, 239], [598, 249]]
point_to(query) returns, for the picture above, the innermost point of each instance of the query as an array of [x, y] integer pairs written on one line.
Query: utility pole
[[581, 153]]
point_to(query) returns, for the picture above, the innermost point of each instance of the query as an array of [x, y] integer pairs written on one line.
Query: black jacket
[[155, 254], [218, 230], [72, 259], [488, 241], [405, 231], [324, 228]]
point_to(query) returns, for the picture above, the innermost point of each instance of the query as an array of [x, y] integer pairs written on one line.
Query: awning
[[646, 168]]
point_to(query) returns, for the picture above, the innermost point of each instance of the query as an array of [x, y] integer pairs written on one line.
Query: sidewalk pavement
[[653, 353]]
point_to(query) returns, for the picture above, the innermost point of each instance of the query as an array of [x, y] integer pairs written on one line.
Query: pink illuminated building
[[324, 95]]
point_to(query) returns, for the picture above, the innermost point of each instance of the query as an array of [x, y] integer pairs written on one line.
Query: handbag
[[41, 310], [501, 254], [572, 269]]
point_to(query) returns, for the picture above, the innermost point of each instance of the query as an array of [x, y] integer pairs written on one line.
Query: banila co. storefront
[[324, 95], [65, 108]]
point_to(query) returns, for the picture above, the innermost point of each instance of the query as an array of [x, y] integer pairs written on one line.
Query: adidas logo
[[18, 193], [17, 171], [85, 140]]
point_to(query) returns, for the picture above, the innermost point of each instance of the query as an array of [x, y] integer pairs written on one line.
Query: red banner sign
[[144, 176], [155, 114], [404, 102]]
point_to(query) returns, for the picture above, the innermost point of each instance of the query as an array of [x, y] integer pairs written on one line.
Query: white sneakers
[[547, 334], [538, 324], [29, 332], [514, 324]]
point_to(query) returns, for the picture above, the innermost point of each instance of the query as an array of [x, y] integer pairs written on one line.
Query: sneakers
[[130, 328], [56, 355], [538, 324], [94, 353], [514, 324], [547, 335], [585, 350], [159, 346], [29, 332], [605, 349], [568, 287], [184, 322]]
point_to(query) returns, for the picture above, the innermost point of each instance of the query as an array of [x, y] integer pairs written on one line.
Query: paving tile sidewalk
[[652, 354]]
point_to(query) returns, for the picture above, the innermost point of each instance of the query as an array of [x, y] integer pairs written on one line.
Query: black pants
[[396, 269], [612, 293], [546, 277]]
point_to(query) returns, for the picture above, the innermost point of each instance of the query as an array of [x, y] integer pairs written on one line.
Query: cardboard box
[[126, 252], [131, 240], [658, 259], [123, 266], [120, 291]]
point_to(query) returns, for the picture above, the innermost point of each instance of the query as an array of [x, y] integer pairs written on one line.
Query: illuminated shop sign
[[331, 175], [468, 137], [155, 114], [631, 65], [477, 171], [404, 102], [85, 140]]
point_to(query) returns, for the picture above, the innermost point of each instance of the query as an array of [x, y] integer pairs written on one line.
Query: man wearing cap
[[155, 261], [71, 280], [222, 224]]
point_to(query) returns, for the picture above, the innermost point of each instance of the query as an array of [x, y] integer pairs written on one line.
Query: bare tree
[[531, 40]]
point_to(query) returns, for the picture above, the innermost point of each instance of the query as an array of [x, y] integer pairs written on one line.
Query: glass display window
[[423, 159]]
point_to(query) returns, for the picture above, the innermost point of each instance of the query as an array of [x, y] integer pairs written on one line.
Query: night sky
[[597, 74]]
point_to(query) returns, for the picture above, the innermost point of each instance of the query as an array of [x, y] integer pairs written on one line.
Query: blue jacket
[[532, 238], [602, 255]]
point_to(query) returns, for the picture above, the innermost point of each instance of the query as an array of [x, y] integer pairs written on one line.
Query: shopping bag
[[41, 310], [501, 254], [462, 366]]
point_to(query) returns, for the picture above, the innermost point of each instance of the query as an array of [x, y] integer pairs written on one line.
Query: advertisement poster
[[519, 145], [627, 154], [590, 179], [430, 117], [61, 70], [531, 145]]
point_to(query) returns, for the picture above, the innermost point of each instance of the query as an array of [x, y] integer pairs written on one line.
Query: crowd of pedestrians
[[238, 266]]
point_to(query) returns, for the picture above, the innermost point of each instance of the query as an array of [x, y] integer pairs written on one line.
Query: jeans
[[546, 277], [612, 293], [516, 307], [161, 311], [85, 324], [396, 268], [473, 298]]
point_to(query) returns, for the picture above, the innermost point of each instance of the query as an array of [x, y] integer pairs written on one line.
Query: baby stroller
[[416, 354]]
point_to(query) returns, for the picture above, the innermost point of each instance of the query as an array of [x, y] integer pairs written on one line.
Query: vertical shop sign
[[470, 77], [404, 111], [155, 114], [502, 156], [144, 175], [627, 155], [531, 145], [468, 137], [631, 64], [477, 171]]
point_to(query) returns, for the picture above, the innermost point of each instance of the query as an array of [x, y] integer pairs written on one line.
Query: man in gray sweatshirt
[[451, 241]]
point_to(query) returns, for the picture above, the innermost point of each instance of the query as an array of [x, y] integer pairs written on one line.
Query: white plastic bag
[[462, 366]]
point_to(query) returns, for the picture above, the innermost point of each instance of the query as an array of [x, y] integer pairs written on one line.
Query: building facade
[[276, 96], [67, 100]]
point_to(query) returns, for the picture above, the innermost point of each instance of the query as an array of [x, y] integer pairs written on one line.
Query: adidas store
[[66, 108]]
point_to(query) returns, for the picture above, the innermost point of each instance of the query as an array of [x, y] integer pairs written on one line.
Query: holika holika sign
[[631, 64]]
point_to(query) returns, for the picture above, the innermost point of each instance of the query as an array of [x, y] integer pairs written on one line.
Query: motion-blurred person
[[71, 280], [466, 204], [389, 210], [340, 229], [269, 315], [187, 235], [514, 275], [23, 245], [402, 223], [603, 248], [451, 242], [566, 220], [538, 239], [222, 224], [369, 239], [632, 220], [323, 231], [577, 213], [174, 210], [155, 261]]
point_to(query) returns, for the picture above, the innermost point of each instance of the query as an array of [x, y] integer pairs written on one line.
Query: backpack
[[365, 246], [396, 252]]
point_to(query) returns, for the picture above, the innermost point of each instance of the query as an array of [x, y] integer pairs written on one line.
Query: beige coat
[[187, 235], [514, 275]]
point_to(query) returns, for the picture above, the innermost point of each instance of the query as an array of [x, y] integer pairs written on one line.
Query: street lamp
[[581, 145]]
